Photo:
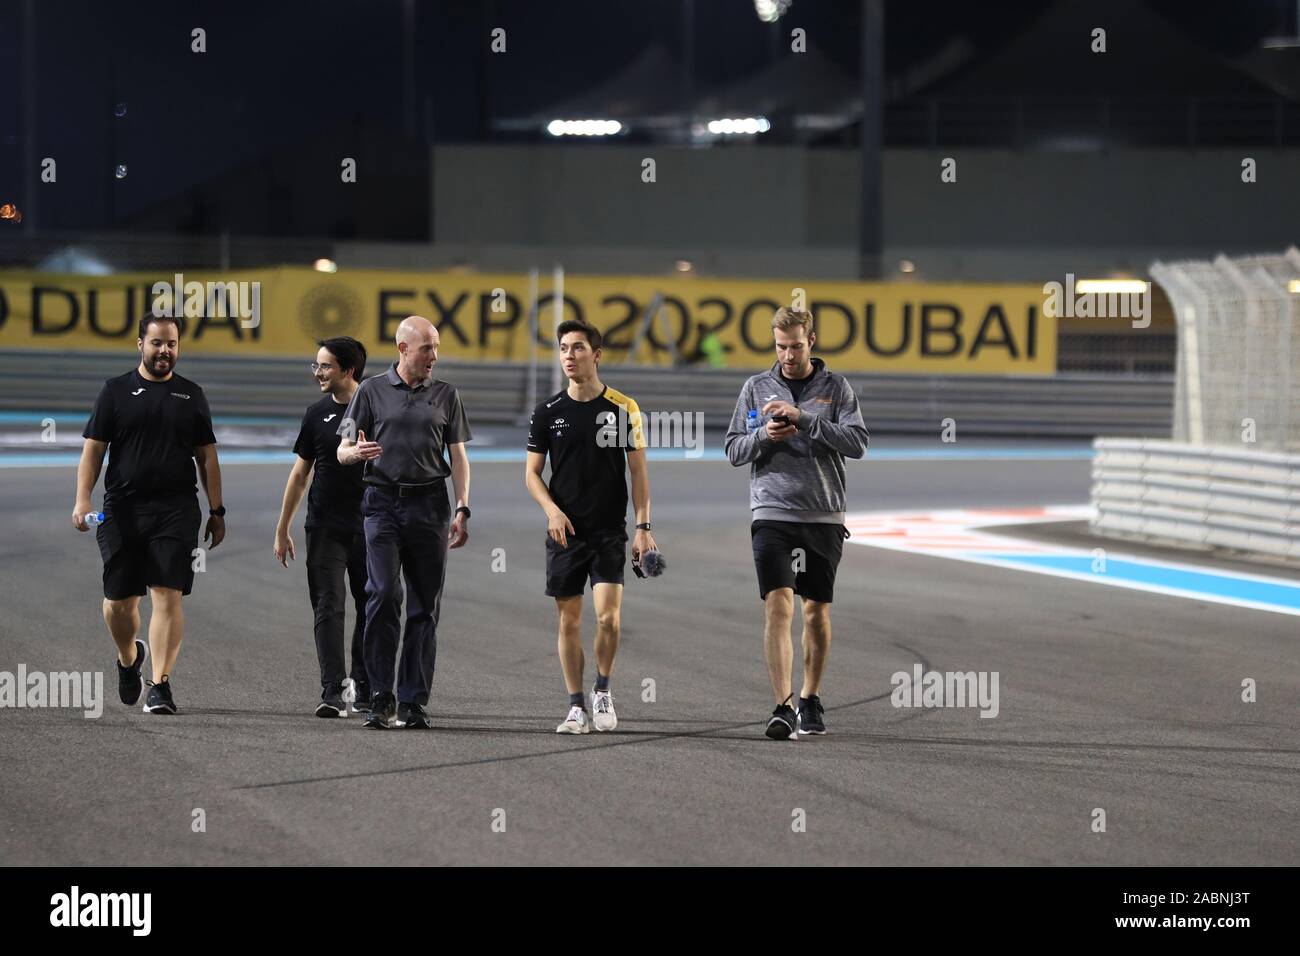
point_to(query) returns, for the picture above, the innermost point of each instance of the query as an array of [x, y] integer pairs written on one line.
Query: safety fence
[[1197, 496]]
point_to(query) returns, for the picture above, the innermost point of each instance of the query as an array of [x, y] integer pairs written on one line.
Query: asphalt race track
[[1109, 698]]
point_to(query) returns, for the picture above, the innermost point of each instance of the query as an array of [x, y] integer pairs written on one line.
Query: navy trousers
[[405, 536]]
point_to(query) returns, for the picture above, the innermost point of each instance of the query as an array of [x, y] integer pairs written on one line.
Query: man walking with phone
[[794, 425]]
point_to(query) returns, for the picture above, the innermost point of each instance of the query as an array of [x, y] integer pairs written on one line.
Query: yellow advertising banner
[[921, 328]]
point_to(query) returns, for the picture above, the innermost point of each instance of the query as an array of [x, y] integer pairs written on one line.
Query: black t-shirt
[[334, 499], [588, 443], [152, 430], [797, 385]]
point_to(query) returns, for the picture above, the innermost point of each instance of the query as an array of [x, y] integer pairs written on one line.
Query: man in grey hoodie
[[794, 425]]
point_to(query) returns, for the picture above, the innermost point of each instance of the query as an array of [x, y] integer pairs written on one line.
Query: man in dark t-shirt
[[154, 425], [594, 437], [336, 541]]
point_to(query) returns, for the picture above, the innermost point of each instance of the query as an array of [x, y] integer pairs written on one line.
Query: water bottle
[[752, 422], [94, 518]]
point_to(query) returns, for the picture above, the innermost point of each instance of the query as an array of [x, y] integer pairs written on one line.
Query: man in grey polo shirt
[[410, 419]]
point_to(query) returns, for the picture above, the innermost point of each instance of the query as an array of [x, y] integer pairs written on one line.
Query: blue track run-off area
[[1190, 583]]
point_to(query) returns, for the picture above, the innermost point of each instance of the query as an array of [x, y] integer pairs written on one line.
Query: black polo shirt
[[588, 444], [334, 499], [414, 426], [152, 430]]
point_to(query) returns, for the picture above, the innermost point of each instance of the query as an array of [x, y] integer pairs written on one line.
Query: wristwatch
[[218, 512], [464, 509], [643, 526]]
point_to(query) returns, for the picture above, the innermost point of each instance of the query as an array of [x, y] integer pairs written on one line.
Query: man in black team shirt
[[157, 426], [589, 430], [336, 540]]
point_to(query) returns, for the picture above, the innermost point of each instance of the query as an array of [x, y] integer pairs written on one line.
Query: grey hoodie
[[801, 479]]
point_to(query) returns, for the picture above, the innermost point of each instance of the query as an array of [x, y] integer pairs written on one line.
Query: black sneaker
[[331, 702], [129, 682], [412, 717], [811, 713], [782, 724], [383, 712], [159, 699]]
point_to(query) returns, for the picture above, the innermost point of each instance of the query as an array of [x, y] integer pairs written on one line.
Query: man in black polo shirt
[[594, 437], [336, 542], [154, 425], [410, 418]]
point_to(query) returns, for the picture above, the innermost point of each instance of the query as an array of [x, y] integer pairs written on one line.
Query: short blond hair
[[786, 319]]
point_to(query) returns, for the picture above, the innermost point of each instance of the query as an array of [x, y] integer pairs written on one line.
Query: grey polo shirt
[[414, 426]]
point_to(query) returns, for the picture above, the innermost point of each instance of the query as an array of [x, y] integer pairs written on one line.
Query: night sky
[[279, 72]]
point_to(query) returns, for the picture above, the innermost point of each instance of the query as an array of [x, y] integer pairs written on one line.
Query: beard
[[159, 365]]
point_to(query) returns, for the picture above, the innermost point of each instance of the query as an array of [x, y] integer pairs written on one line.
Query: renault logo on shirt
[[608, 428]]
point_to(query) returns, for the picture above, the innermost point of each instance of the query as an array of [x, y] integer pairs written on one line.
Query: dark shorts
[[794, 554], [599, 556], [144, 548]]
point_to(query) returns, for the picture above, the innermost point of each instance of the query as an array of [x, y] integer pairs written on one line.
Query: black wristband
[[464, 509], [218, 512], [643, 526]]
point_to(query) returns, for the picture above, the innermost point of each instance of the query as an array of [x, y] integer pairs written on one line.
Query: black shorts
[[148, 547], [599, 556], [810, 570]]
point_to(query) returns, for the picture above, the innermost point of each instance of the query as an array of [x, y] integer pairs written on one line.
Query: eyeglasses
[[321, 367]]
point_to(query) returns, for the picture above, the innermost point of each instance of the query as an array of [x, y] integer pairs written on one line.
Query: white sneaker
[[575, 723], [602, 710]]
